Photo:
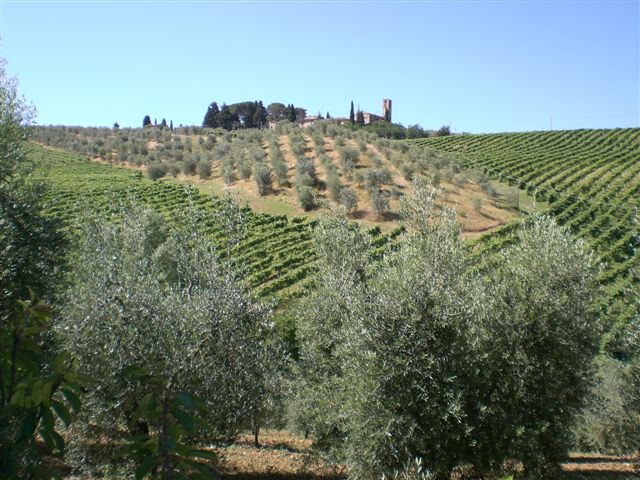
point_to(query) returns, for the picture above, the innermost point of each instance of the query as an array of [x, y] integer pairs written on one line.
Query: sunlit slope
[[591, 179], [275, 254]]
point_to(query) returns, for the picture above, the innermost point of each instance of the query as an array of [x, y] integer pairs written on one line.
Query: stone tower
[[386, 109]]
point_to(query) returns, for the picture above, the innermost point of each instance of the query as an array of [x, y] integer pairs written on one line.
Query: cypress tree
[[352, 117], [291, 113], [211, 117]]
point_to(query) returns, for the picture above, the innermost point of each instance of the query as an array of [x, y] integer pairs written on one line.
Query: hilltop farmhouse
[[368, 117]]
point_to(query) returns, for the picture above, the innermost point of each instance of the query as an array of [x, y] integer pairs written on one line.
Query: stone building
[[368, 117]]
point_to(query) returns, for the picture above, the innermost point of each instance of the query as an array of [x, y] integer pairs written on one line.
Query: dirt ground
[[283, 455], [283, 201]]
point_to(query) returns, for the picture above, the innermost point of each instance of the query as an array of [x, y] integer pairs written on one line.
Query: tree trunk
[[256, 431], [14, 355], [168, 473]]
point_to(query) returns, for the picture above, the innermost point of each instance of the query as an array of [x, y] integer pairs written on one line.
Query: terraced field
[[591, 179], [276, 253]]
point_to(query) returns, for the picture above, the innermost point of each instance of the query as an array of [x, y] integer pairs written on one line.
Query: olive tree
[[348, 160], [263, 178], [204, 169], [379, 200], [611, 421], [32, 374], [320, 390], [548, 337], [30, 242], [158, 300], [631, 396], [278, 163], [348, 199], [421, 356]]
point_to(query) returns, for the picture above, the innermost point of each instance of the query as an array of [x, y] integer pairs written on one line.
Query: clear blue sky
[[483, 66]]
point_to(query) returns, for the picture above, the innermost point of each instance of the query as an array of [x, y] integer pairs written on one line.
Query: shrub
[[334, 186], [281, 172], [244, 169], [436, 178], [459, 180], [174, 169], [228, 174], [407, 170], [377, 177], [611, 419], [358, 177], [487, 187], [210, 143], [476, 202], [325, 160], [348, 160], [298, 145], [306, 172]]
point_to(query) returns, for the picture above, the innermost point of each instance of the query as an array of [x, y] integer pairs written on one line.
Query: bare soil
[[475, 221], [286, 456]]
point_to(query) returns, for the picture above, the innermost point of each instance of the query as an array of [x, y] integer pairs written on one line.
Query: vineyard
[[292, 171], [275, 254], [591, 180]]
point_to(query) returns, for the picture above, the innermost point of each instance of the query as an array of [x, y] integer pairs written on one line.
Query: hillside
[[277, 258], [587, 179], [275, 251], [591, 180], [323, 161]]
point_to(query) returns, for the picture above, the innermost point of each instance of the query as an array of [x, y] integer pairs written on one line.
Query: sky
[[478, 66]]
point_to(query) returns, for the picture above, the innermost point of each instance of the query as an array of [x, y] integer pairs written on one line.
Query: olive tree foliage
[[611, 421], [30, 242], [631, 395], [263, 178], [424, 357], [36, 382], [141, 295], [320, 390], [410, 352], [547, 284]]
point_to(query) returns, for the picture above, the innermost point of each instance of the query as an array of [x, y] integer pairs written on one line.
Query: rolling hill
[[275, 254], [588, 180], [591, 181]]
